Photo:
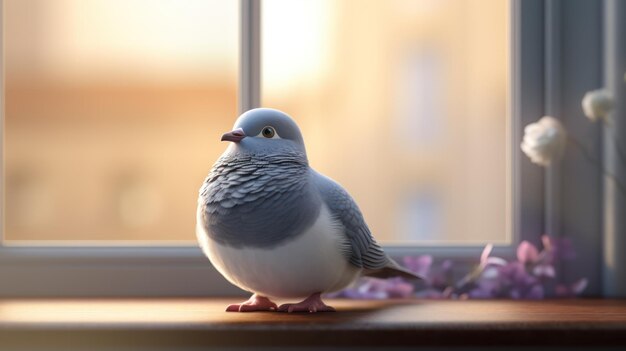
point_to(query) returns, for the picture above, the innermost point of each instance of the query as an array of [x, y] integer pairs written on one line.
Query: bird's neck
[[287, 153]]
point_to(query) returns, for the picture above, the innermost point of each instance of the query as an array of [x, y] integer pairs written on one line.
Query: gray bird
[[272, 225]]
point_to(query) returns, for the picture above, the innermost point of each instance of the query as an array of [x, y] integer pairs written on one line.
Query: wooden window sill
[[180, 323]]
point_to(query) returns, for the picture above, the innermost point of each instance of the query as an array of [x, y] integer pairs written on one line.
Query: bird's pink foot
[[311, 304], [254, 303]]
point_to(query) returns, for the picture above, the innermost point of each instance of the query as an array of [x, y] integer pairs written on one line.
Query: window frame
[[184, 271]]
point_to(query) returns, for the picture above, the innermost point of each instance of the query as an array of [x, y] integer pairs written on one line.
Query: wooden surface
[[192, 323]]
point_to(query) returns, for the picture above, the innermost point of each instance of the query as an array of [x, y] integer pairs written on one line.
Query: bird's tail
[[392, 269]]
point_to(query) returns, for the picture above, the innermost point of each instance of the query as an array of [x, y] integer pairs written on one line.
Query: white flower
[[597, 104], [544, 140]]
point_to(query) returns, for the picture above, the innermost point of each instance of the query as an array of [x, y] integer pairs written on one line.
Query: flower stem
[[620, 152], [597, 163]]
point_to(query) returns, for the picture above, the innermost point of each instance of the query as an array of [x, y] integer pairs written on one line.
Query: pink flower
[[571, 290], [485, 260], [527, 252], [419, 265]]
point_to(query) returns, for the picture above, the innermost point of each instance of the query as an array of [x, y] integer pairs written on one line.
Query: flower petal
[[547, 242], [597, 104], [544, 270], [485, 253], [490, 273], [544, 140], [527, 252], [420, 265]]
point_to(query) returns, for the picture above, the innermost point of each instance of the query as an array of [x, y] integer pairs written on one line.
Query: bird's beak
[[234, 136]]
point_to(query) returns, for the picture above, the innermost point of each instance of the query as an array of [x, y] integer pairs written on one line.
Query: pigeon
[[273, 226]]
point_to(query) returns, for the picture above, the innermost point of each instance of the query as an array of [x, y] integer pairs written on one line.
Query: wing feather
[[363, 251]]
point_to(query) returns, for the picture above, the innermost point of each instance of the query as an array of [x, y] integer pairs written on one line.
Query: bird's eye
[[268, 132]]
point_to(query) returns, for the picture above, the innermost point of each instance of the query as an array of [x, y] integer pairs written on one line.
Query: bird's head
[[265, 131]]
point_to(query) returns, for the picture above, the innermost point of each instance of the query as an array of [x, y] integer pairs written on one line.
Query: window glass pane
[[113, 110], [404, 102]]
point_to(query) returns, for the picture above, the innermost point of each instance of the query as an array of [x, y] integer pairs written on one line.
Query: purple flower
[[419, 265], [515, 274], [571, 290], [518, 283], [486, 287], [531, 276], [398, 288], [480, 294], [558, 248], [373, 288], [441, 277], [533, 292], [544, 271], [435, 276]]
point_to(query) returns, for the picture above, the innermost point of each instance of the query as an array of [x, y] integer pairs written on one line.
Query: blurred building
[[114, 111]]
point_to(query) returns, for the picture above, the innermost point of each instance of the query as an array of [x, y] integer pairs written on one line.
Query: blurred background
[[114, 110]]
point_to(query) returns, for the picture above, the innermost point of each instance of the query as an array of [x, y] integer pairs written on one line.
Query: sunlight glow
[[179, 40], [296, 37]]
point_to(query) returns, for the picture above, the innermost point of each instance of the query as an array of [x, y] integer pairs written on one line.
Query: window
[[112, 110], [120, 104], [408, 95]]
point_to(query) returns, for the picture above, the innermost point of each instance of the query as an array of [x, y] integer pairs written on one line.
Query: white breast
[[311, 263]]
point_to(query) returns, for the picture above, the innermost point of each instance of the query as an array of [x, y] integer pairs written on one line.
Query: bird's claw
[[254, 304], [311, 304]]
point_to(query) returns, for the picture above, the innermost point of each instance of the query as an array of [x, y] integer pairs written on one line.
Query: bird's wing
[[363, 251]]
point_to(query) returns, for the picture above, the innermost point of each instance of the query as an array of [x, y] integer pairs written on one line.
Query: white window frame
[[184, 271]]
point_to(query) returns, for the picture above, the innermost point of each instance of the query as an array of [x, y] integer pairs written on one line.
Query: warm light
[[114, 110], [135, 39], [296, 37]]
